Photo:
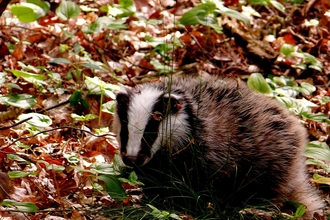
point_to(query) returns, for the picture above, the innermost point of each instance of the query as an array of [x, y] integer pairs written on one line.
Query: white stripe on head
[[139, 113], [174, 130]]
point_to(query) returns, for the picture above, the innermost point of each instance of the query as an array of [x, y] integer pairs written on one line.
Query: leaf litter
[[56, 166]]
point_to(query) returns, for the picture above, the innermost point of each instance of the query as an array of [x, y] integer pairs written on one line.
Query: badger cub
[[215, 140]]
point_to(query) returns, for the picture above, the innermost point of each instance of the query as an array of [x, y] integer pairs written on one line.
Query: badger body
[[221, 139]]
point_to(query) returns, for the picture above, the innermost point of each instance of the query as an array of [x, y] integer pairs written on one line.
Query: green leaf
[[60, 61], [234, 14], [132, 180], [320, 179], [305, 88], [55, 167], [102, 168], [20, 206], [319, 163], [102, 131], [87, 117], [23, 74], [91, 66], [287, 50], [27, 12], [162, 215], [316, 67], [259, 2], [318, 150], [105, 22], [300, 211], [310, 58], [283, 81], [325, 99], [257, 82], [197, 14], [23, 13], [113, 187], [88, 9], [128, 7], [76, 99], [24, 101], [97, 86], [318, 117], [278, 5], [18, 174], [72, 158], [2, 78], [67, 10], [37, 120], [42, 4], [37, 79], [109, 107], [160, 67], [17, 158]]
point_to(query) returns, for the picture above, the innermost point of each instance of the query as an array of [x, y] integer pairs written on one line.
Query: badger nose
[[130, 160]]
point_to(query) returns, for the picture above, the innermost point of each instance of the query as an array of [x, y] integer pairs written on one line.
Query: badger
[[215, 138]]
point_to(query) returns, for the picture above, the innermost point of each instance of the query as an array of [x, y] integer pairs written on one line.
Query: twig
[[10, 126], [55, 106], [53, 129]]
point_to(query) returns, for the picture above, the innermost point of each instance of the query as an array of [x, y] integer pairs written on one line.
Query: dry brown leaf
[[4, 186]]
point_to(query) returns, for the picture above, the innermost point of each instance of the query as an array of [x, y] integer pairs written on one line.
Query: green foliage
[[162, 215], [37, 120], [109, 107], [76, 99], [274, 3], [301, 60], [294, 1], [132, 180], [300, 209], [125, 8], [162, 45], [318, 117], [60, 61], [24, 101], [36, 79], [317, 152], [160, 67], [54, 167], [105, 23], [20, 206], [321, 179], [98, 87], [113, 187], [19, 174], [17, 158], [72, 158], [257, 82], [84, 118], [206, 14], [30, 11], [42, 4], [67, 10], [285, 91]]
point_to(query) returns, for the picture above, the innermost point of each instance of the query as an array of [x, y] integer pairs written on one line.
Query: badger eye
[[157, 116]]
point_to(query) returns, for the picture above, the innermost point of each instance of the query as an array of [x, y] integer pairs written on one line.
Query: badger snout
[[138, 160]]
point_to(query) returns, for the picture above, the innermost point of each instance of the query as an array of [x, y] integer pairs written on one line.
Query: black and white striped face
[[145, 120]]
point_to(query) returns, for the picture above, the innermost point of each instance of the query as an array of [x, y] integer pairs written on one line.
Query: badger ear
[[173, 103], [123, 99]]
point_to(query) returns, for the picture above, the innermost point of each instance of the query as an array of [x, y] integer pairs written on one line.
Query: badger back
[[148, 117]]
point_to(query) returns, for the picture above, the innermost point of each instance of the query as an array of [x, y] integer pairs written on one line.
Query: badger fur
[[218, 137]]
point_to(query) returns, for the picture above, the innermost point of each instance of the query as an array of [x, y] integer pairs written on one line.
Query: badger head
[[146, 120]]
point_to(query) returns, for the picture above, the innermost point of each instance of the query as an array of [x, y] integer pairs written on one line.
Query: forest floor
[[48, 70]]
